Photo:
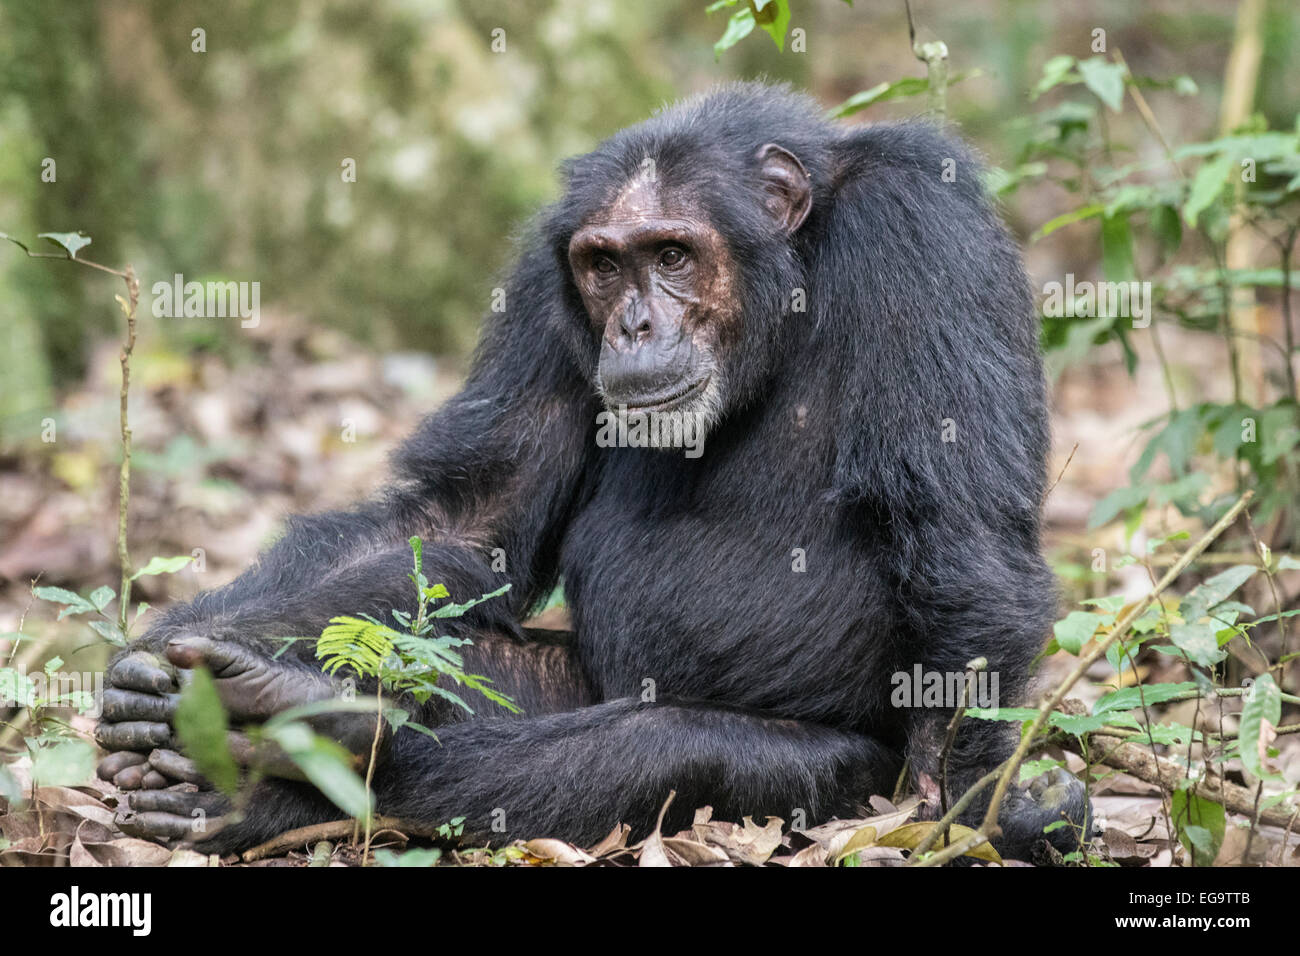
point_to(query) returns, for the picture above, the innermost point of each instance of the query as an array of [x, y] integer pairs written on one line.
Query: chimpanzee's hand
[[140, 706]]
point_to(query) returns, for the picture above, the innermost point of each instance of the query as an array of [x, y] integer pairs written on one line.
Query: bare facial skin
[[657, 282]]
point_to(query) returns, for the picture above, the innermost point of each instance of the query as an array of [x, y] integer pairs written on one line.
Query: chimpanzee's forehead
[[644, 196]]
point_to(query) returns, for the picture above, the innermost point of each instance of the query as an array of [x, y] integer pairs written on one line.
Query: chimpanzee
[[839, 315]]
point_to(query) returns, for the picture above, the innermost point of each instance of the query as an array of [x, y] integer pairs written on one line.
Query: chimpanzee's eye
[[605, 266], [672, 258]]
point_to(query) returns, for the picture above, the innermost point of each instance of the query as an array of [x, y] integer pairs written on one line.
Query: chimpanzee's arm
[[487, 481], [494, 468]]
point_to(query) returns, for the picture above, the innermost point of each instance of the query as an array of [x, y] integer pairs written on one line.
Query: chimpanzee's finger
[[153, 780], [133, 735], [115, 763], [142, 671], [177, 767], [223, 658], [158, 827], [168, 815], [132, 778], [123, 705], [181, 802]]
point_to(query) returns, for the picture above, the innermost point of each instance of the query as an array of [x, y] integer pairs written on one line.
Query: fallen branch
[[334, 830], [1138, 762]]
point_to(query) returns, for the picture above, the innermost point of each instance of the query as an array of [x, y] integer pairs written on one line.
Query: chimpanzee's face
[[661, 288]]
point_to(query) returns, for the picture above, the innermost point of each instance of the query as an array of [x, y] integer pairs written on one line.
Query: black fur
[[772, 687]]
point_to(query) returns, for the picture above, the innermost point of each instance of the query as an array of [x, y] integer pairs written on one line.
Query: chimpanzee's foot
[[179, 815], [1026, 813]]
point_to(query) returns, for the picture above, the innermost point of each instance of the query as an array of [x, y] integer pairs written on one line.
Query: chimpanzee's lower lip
[[668, 401]]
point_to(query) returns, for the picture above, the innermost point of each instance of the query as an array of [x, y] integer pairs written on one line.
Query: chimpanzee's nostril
[[635, 326]]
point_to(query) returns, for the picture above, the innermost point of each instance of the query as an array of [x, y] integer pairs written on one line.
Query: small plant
[[415, 662], [411, 661], [60, 756]]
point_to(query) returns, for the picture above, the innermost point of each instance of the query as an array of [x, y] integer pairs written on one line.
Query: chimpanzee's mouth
[[672, 400]]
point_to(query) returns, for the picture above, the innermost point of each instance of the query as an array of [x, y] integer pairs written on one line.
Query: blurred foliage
[[226, 164]]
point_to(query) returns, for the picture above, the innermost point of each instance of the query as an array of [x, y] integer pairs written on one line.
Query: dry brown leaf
[[557, 852], [653, 853], [68, 800], [882, 806], [910, 835], [193, 858], [881, 856], [47, 850], [128, 851], [614, 842], [682, 852], [78, 855], [836, 834], [814, 855], [859, 841], [748, 843]]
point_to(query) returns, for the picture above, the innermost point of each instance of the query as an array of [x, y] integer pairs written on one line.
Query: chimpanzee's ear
[[787, 188]]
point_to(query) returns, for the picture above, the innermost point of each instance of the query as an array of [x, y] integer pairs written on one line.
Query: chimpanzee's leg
[[575, 775]]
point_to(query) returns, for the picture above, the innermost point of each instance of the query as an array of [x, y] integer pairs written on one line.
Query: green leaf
[[109, 631], [1200, 824], [1197, 603], [100, 597], [1056, 71], [1206, 187], [1116, 248], [773, 16], [1127, 698], [67, 763], [201, 724], [158, 565], [1077, 627], [356, 643], [1105, 79], [456, 610], [326, 764], [1119, 501], [76, 604], [1034, 768], [1089, 211], [895, 90], [739, 26], [20, 245], [396, 717], [1168, 229], [1199, 641], [70, 242], [1169, 735], [1079, 725], [1262, 703]]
